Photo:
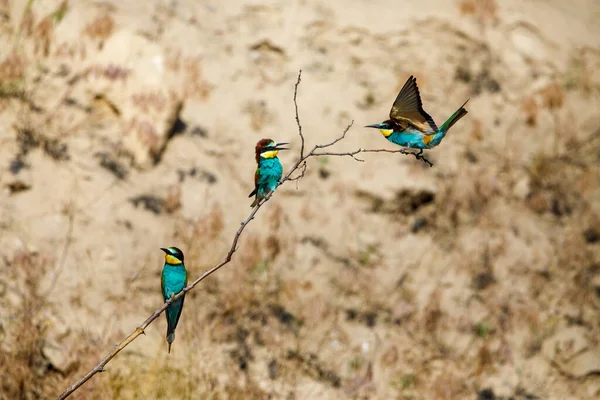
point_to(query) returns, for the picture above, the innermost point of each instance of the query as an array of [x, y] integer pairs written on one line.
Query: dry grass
[[26, 373], [12, 74]]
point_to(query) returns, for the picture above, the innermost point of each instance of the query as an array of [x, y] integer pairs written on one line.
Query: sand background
[[129, 126]]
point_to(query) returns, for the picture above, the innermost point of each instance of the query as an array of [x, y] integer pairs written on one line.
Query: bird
[[410, 126], [173, 280], [268, 171]]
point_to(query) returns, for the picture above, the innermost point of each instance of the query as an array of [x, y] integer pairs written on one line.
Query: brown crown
[[261, 143]]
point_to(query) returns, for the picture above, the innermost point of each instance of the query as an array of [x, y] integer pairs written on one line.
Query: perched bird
[[269, 169], [173, 280], [409, 125]]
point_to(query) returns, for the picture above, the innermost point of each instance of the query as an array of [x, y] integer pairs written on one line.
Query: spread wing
[[408, 109], [255, 183]]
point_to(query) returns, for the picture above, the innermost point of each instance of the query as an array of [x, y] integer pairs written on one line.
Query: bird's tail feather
[[458, 114], [170, 339]]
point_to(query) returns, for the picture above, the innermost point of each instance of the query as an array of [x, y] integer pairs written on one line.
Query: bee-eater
[[173, 280], [409, 125], [269, 169]]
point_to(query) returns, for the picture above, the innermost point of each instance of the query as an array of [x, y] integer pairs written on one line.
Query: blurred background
[[129, 126]]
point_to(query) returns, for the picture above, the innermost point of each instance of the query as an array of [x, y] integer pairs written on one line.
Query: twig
[[353, 154], [297, 117], [300, 176], [300, 164]]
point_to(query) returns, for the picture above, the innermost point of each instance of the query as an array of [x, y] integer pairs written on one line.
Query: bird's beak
[[277, 146], [372, 126], [165, 250]]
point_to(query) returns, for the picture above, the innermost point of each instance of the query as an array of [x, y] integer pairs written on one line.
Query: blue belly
[[270, 174], [408, 139], [174, 279]]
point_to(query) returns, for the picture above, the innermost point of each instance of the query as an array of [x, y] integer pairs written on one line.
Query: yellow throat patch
[[386, 132], [269, 154], [172, 260]]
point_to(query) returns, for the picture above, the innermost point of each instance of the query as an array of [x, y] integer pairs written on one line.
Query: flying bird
[[410, 126]]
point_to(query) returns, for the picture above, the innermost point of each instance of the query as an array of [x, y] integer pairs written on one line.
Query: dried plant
[[12, 75], [21, 351]]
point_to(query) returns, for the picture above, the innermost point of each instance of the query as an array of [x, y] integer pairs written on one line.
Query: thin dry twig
[[297, 117], [353, 154], [301, 164]]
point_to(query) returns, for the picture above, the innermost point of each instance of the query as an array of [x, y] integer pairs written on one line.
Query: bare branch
[[297, 117], [353, 154], [343, 135], [301, 164], [349, 154], [301, 175]]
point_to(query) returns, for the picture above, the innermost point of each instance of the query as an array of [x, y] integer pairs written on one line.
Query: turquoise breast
[[408, 139], [174, 279], [270, 174]]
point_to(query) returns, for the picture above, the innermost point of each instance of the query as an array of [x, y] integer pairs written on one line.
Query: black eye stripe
[[175, 252]]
